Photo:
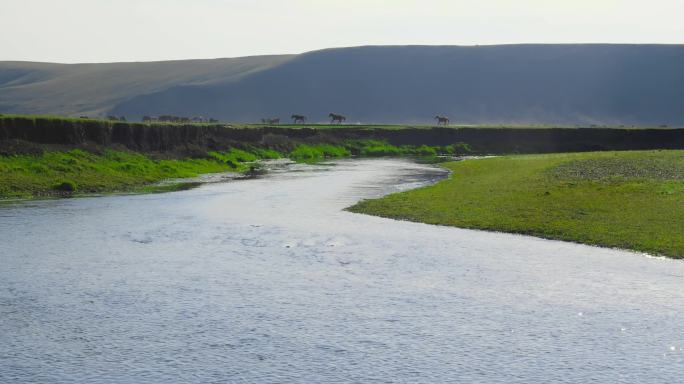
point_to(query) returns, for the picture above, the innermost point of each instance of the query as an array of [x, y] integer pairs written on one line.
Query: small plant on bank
[[66, 186], [458, 149]]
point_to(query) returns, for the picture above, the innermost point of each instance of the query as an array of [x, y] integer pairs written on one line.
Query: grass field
[[631, 200]]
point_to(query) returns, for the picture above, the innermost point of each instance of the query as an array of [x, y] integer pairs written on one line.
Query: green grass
[[65, 173], [100, 120], [313, 152], [76, 171], [377, 148], [49, 117], [371, 148], [631, 200], [233, 157]]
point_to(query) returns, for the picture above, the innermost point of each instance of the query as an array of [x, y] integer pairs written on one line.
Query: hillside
[[553, 84], [95, 89]]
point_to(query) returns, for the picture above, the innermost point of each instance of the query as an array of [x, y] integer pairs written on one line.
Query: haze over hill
[[564, 84]]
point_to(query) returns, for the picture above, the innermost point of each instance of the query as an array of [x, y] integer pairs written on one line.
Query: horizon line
[[339, 47]]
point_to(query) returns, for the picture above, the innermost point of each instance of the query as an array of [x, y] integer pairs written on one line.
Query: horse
[[298, 118], [442, 120], [334, 117]]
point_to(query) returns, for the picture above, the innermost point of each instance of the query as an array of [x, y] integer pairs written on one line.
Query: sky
[[71, 31]]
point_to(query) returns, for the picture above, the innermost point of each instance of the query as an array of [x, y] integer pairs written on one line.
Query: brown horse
[[336, 118], [298, 118], [442, 120]]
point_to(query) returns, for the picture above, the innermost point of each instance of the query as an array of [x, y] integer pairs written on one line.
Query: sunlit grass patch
[[632, 200], [309, 152], [78, 171]]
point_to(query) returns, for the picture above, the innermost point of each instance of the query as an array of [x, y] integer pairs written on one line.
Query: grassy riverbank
[[53, 173], [632, 200], [79, 172], [73, 172]]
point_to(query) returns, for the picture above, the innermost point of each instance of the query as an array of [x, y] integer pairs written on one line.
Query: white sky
[[143, 30]]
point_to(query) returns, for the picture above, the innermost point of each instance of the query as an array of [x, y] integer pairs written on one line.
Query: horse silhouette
[[271, 121], [298, 118], [442, 120], [336, 118]]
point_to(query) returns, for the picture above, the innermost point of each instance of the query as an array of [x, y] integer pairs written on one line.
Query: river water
[[270, 281]]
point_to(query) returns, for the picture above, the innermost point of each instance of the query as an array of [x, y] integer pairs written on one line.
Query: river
[[270, 281]]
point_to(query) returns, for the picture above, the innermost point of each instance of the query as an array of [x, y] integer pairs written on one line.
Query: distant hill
[[554, 84], [96, 89]]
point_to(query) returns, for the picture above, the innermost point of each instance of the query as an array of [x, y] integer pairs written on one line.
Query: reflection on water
[[269, 281]]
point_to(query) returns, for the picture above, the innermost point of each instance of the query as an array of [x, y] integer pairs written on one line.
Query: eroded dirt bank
[[189, 138]]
